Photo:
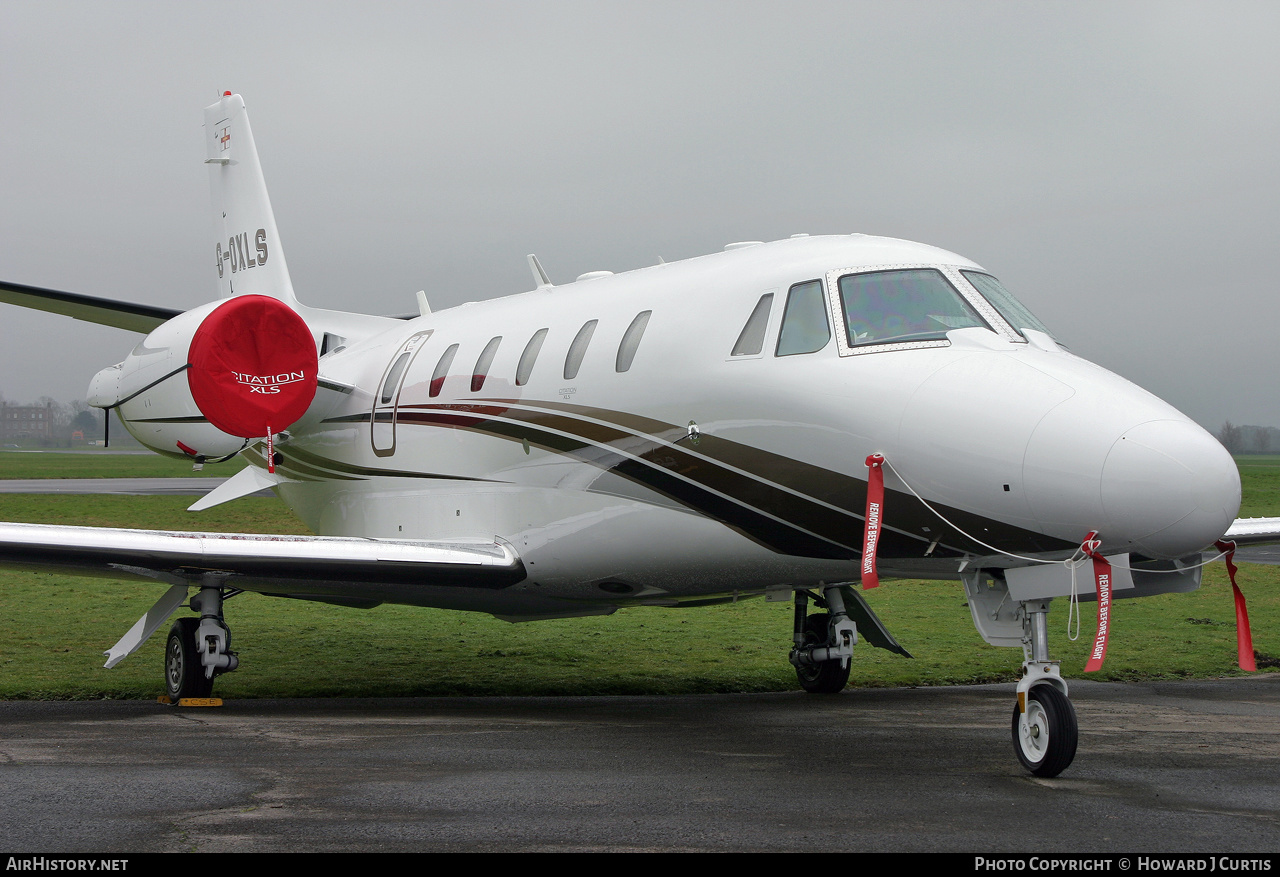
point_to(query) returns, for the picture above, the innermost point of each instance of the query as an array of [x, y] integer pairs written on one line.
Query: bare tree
[[1231, 437], [88, 424]]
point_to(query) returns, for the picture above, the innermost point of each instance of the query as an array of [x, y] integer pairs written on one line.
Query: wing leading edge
[[1254, 531], [321, 567]]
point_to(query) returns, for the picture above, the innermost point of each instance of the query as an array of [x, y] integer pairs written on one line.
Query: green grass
[[53, 629], [1260, 485], [95, 463]]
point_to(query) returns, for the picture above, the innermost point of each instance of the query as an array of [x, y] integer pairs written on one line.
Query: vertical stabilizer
[[250, 260]]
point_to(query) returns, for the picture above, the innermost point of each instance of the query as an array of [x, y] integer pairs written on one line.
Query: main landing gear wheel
[[183, 673], [1046, 737], [825, 677]]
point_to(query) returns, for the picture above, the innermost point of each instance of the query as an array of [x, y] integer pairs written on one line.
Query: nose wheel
[[1045, 734]]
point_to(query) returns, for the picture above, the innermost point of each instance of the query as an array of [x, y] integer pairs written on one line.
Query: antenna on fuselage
[[424, 309], [539, 276]]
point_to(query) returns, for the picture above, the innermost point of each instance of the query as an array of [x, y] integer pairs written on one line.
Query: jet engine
[[210, 380]]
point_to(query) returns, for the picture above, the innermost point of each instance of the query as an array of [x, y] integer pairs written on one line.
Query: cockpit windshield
[[1014, 311], [912, 305]]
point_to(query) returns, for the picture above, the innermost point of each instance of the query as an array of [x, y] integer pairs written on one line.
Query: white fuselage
[[609, 494]]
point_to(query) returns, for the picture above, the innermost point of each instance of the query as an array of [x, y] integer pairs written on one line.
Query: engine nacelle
[[207, 380]]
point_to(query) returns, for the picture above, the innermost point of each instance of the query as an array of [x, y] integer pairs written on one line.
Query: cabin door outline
[[386, 399]]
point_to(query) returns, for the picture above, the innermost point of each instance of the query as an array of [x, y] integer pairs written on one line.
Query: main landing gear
[[823, 642], [199, 649]]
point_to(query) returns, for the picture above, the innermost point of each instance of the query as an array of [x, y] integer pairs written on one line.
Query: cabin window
[[751, 339], [442, 370], [481, 371], [1014, 312], [393, 378], [805, 327], [890, 306], [530, 355], [631, 341], [578, 349]]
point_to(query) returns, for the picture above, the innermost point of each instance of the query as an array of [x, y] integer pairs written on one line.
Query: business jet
[[782, 419]]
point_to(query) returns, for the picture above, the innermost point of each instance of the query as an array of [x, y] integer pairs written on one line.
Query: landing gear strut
[[1045, 732], [199, 649], [823, 642]]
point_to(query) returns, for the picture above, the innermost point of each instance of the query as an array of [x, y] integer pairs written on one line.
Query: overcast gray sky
[[1115, 164]]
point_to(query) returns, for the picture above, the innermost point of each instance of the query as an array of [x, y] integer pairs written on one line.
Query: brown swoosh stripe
[[783, 503], [747, 502], [836, 488]]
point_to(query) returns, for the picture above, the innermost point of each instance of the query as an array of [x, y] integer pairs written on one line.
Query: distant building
[[25, 422]]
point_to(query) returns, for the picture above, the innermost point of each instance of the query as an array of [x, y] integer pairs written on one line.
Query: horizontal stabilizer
[[103, 311]]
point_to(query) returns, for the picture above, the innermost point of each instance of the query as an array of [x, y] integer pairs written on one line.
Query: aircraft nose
[[1169, 487], [1115, 459]]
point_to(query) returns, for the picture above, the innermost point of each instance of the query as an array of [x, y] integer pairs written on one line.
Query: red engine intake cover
[[253, 366]]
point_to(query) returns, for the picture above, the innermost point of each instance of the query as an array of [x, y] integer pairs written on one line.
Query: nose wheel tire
[[827, 677], [183, 672], [1045, 737]]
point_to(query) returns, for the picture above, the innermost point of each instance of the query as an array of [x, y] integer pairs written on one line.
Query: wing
[[1254, 531], [330, 568], [104, 311]]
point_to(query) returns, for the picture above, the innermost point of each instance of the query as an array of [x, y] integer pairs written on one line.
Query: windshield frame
[[959, 285], [1014, 303]]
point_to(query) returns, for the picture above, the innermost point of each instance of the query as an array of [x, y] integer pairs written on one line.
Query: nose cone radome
[[1116, 459], [1169, 487]]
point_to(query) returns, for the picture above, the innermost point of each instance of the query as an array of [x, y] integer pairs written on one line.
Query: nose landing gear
[[1045, 731]]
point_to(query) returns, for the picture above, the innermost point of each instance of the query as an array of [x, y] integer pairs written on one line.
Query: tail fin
[[250, 260]]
